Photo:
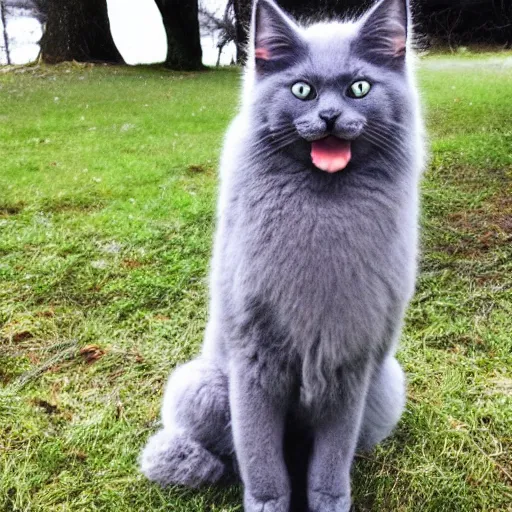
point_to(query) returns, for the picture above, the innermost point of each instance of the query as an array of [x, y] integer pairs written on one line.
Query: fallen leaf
[[21, 336], [91, 353]]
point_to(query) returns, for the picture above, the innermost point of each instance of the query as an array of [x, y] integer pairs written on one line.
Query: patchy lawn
[[107, 179]]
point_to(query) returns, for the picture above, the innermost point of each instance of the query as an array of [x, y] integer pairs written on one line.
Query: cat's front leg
[[335, 440], [258, 427]]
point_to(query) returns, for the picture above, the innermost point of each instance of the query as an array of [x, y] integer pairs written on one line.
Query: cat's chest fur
[[329, 259]]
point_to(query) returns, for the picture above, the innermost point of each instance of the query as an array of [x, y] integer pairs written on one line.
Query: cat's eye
[[303, 91], [359, 89]]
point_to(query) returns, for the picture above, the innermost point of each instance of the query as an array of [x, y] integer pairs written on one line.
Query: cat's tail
[[174, 458], [195, 445]]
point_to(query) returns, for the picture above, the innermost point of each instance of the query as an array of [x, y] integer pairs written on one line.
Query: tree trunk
[[219, 53], [78, 30], [6, 35], [243, 10], [181, 22]]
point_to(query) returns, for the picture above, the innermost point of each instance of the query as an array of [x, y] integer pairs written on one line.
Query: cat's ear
[[275, 36], [383, 34]]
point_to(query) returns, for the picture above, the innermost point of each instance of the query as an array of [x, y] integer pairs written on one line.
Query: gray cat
[[313, 266]]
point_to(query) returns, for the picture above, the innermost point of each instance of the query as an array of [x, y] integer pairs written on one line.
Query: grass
[[107, 179]]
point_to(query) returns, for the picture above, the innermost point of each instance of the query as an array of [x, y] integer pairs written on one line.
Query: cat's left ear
[[275, 36], [383, 35]]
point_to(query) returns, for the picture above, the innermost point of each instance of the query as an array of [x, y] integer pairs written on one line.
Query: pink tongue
[[330, 154]]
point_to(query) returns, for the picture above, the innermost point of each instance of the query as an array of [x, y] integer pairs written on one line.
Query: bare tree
[[224, 27], [461, 22], [36, 8], [445, 22], [6, 35]]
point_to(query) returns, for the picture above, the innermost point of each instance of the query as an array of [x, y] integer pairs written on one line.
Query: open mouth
[[330, 154]]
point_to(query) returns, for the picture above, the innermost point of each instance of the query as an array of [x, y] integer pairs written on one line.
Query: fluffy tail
[[173, 458]]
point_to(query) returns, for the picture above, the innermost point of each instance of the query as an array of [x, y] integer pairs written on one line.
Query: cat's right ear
[[275, 36]]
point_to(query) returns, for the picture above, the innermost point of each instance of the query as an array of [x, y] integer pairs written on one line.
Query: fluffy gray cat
[[314, 264]]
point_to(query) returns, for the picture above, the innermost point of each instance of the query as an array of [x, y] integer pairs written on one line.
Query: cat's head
[[329, 87]]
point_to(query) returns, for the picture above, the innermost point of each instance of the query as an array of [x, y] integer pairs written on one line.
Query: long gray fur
[[311, 272]]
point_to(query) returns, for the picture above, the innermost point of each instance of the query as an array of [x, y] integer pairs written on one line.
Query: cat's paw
[[321, 501], [252, 504]]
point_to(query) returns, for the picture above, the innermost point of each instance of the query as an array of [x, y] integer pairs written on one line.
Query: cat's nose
[[329, 116]]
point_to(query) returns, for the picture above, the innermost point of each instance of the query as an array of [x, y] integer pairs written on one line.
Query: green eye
[[303, 91], [359, 89]]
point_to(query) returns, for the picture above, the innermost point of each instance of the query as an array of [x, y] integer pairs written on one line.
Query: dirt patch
[[483, 229], [458, 344], [7, 210], [131, 264], [46, 406], [72, 204], [468, 178], [200, 169], [13, 333], [21, 336]]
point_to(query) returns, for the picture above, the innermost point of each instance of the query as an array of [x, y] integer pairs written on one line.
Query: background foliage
[[80, 30]]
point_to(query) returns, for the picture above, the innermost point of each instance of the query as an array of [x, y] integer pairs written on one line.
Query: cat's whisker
[[277, 141], [375, 143], [281, 144], [389, 147], [387, 143], [384, 142], [275, 134], [261, 147], [282, 136], [387, 133], [392, 128], [389, 123], [389, 153], [396, 132]]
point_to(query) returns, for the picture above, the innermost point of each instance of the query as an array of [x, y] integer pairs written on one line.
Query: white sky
[[136, 27], [24, 33], [133, 22]]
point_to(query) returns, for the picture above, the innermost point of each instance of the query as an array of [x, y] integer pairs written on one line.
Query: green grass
[[108, 179]]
